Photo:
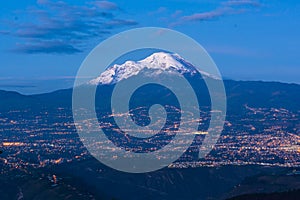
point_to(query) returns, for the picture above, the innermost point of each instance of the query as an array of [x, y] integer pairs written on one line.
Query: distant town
[[261, 136]]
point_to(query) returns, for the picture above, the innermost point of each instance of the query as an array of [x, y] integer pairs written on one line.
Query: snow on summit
[[158, 62]]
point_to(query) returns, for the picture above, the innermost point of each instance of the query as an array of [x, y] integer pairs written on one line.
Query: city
[[262, 136]]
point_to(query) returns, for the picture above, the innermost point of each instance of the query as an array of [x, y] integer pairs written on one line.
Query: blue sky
[[44, 42]]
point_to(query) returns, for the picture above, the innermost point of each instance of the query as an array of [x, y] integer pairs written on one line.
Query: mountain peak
[[162, 57], [158, 62]]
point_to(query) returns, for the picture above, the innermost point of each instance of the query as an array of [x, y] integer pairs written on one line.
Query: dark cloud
[[242, 3], [64, 28], [57, 47], [226, 8], [106, 5], [205, 15], [120, 22]]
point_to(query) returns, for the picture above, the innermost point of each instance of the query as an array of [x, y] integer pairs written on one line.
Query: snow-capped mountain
[[155, 63]]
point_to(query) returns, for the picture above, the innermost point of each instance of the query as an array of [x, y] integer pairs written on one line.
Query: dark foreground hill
[[288, 195]]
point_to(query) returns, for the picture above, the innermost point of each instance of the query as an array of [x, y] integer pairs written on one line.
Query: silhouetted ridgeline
[[239, 93]]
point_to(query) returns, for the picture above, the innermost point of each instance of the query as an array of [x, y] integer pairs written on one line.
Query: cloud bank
[[61, 28]]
